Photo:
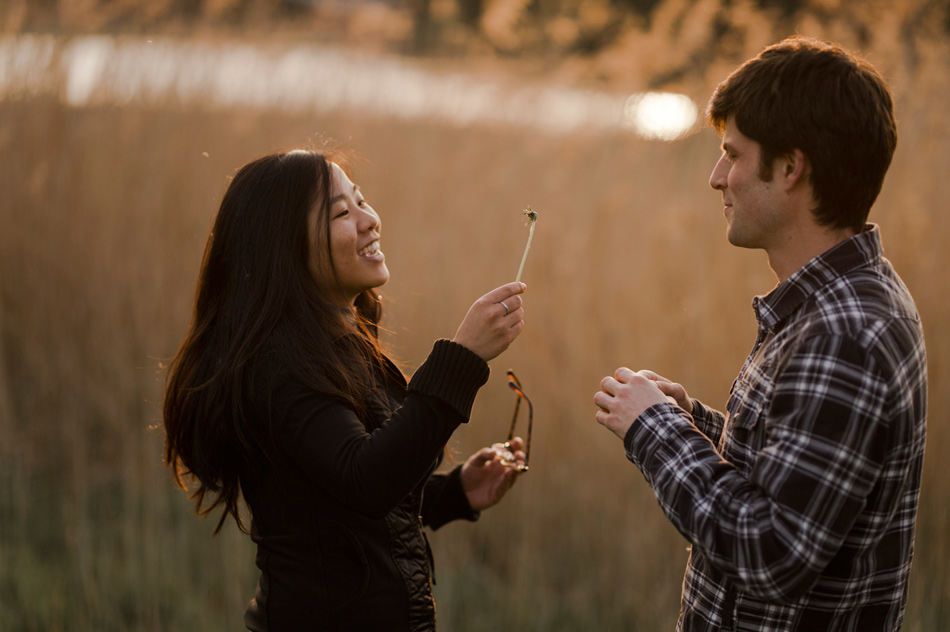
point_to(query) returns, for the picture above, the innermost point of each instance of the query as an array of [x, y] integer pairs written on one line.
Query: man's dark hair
[[817, 97]]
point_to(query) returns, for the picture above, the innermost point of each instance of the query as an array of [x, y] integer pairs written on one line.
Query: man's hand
[[625, 396], [674, 390]]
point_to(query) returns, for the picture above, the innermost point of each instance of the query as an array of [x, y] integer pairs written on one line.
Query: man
[[800, 501]]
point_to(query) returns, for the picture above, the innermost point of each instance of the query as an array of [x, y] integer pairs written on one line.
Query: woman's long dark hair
[[257, 298]]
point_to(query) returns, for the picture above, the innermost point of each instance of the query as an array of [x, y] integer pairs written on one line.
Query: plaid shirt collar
[[861, 250]]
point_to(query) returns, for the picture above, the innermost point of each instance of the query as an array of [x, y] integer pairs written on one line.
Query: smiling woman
[[353, 226], [281, 394]]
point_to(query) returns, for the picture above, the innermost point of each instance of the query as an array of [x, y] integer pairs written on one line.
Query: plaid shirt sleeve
[[710, 422], [773, 530]]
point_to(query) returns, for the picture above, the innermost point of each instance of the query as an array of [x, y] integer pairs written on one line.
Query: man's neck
[[800, 247]]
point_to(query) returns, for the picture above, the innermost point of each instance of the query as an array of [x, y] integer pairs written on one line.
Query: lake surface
[[105, 70]]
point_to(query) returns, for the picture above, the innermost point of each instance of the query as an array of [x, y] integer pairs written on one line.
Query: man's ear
[[795, 169]]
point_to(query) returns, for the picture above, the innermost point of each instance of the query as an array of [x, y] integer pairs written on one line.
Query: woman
[[281, 394]]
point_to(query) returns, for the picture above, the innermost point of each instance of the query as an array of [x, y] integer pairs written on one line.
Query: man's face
[[755, 216]]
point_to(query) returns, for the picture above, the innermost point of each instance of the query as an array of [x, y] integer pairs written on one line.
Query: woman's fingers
[[483, 456], [511, 305], [493, 321], [504, 292]]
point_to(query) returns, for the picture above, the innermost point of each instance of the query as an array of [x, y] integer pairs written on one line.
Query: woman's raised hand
[[493, 321]]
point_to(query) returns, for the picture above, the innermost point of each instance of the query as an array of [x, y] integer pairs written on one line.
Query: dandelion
[[532, 219]]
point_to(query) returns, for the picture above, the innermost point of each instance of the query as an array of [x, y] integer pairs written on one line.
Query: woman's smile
[[371, 251]]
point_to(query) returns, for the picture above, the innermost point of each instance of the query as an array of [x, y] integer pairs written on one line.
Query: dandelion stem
[[532, 219]]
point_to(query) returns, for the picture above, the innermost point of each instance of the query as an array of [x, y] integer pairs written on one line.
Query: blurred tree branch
[[690, 33]]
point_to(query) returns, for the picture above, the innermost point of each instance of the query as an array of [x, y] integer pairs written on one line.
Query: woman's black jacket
[[338, 514]]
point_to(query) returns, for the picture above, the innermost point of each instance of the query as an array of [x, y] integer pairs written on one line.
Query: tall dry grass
[[104, 212]]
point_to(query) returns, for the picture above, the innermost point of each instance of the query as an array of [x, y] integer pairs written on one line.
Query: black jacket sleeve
[[445, 500], [371, 472]]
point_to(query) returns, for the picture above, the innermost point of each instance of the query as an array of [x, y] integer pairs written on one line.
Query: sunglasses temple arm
[[527, 447], [514, 419]]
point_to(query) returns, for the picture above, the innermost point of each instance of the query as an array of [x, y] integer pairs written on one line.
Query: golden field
[[104, 210]]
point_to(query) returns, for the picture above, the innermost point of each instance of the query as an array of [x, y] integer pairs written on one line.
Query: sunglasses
[[505, 455]]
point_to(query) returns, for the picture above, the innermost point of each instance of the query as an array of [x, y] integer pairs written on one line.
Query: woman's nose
[[369, 219]]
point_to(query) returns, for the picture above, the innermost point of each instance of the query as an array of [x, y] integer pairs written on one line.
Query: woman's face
[[354, 242]]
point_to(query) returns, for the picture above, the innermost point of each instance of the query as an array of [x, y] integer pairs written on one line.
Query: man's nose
[[717, 179]]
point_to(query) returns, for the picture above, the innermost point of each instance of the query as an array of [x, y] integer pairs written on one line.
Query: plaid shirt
[[800, 502]]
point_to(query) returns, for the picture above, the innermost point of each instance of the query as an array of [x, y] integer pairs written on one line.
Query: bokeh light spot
[[659, 115]]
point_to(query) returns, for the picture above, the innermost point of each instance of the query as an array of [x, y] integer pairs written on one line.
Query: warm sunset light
[[126, 125], [659, 115], [101, 70]]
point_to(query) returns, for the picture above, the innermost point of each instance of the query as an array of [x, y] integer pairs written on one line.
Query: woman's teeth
[[371, 249]]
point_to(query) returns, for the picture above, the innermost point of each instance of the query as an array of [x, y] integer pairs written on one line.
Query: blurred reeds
[[104, 212]]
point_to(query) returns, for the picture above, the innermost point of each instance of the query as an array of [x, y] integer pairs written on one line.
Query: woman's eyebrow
[[340, 196]]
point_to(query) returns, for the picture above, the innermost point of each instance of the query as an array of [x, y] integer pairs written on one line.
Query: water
[[97, 70]]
